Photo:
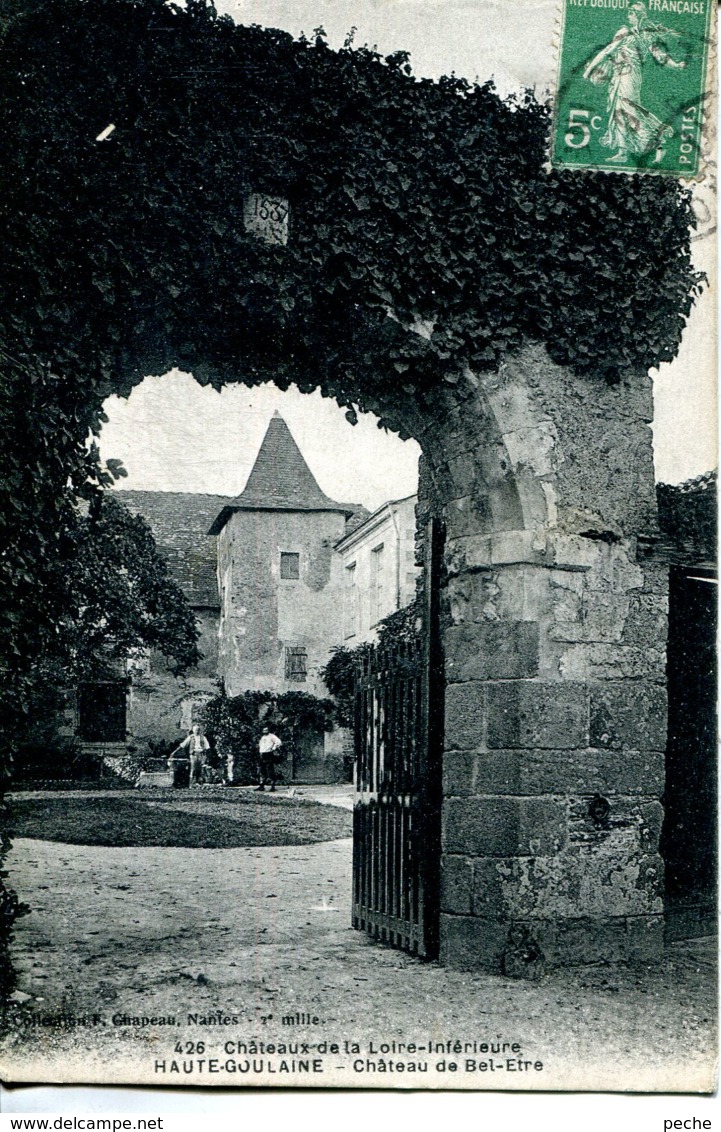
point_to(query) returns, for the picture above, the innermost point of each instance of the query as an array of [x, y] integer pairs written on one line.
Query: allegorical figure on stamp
[[632, 129]]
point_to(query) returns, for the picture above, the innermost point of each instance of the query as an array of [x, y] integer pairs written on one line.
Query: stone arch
[[554, 606], [553, 618], [553, 629], [554, 611]]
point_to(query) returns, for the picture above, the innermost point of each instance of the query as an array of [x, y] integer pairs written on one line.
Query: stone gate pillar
[[554, 636]]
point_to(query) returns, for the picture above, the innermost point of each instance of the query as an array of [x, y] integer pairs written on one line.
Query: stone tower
[[279, 577]]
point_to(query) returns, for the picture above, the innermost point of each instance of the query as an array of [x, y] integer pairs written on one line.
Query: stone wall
[[161, 706], [262, 613], [554, 634]]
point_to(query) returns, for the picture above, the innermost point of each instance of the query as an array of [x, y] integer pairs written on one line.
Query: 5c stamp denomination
[[631, 85]]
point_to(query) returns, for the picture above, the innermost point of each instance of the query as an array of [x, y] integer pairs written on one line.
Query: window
[[377, 596], [296, 663], [101, 712], [289, 566], [350, 603]]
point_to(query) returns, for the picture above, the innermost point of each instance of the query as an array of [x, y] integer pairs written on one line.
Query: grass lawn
[[191, 821]]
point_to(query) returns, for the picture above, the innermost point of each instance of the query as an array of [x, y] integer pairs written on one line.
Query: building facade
[[280, 585], [161, 707], [379, 570], [277, 578]]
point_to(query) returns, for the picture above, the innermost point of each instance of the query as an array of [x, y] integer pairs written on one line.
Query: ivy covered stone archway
[[434, 274]]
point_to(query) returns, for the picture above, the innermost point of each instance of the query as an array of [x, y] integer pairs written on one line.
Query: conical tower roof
[[280, 480]]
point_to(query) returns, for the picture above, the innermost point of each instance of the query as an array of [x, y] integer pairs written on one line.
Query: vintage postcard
[[359, 419]]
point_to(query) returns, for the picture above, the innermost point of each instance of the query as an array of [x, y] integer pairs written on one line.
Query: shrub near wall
[[341, 670], [235, 724]]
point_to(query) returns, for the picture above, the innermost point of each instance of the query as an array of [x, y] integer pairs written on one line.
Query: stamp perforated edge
[[708, 158]]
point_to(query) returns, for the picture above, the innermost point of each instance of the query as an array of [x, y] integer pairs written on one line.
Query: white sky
[[174, 435]]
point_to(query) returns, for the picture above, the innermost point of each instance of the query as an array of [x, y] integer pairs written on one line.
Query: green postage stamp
[[631, 85]]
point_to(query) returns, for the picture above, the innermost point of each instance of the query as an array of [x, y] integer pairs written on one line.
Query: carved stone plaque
[[267, 217]]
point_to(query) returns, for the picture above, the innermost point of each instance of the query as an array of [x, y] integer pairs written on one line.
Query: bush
[[61, 759], [339, 678], [340, 672], [234, 724]]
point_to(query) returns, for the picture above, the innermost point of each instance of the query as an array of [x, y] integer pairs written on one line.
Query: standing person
[[267, 747], [195, 748]]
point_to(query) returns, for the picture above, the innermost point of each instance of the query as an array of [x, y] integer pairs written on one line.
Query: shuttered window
[[296, 664]]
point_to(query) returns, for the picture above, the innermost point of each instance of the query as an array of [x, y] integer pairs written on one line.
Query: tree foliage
[[339, 674], [119, 596], [401, 626], [688, 517], [113, 594], [235, 723]]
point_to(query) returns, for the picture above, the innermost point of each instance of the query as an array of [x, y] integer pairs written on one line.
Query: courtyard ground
[[197, 818], [132, 956]]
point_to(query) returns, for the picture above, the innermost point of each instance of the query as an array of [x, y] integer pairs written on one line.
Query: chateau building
[[277, 578], [379, 570], [160, 706]]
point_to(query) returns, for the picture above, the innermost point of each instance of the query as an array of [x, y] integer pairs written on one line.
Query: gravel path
[[261, 934]]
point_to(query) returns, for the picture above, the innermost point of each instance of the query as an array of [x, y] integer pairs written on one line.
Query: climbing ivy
[[688, 518], [344, 664], [339, 676], [235, 723], [414, 204]]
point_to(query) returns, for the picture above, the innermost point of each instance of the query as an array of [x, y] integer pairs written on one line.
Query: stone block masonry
[[537, 715], [554, 638]]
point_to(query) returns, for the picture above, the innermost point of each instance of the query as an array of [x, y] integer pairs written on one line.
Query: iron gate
[[396, 817]]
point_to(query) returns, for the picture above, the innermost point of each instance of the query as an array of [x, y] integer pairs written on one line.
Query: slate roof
[[280, 480], [179, 521], [356, 520], [687, 514]]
